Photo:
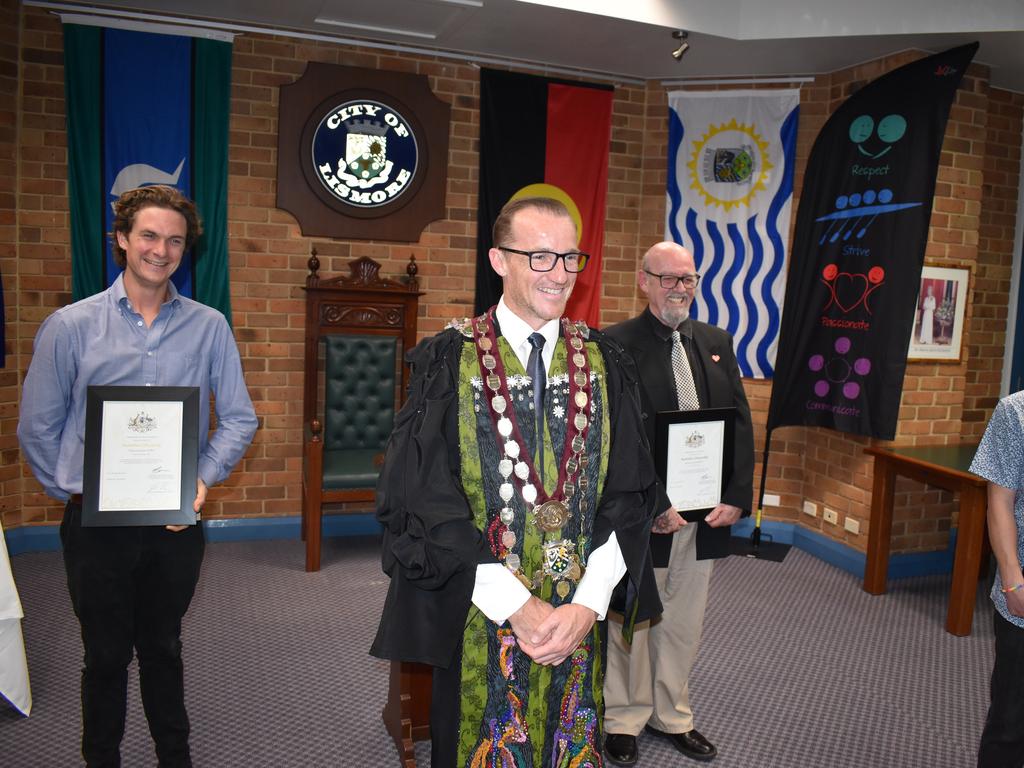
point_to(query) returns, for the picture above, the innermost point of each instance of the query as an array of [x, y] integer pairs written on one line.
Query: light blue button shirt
[[102, 340]]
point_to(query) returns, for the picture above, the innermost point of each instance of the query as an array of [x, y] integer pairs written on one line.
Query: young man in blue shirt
[[130, 586]]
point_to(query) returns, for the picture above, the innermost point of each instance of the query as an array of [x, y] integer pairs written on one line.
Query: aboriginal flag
[[544, 138]]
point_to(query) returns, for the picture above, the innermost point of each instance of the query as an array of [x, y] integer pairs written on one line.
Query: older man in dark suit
[[683, 364]]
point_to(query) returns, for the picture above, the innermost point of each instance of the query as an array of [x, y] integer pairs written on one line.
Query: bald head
[[665, 251], [670, 305]]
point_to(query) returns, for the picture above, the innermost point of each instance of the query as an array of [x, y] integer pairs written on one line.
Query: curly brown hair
[[155, 196]]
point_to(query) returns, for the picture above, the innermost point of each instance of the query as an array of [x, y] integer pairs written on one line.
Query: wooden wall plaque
[[362, 153]]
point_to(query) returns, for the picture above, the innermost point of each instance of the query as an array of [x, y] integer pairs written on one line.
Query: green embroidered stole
[[514, 712]]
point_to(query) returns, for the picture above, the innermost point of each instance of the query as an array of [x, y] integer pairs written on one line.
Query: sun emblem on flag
[[729, 164]]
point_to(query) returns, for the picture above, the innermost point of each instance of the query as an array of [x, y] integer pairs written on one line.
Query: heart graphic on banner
[[850, 290]]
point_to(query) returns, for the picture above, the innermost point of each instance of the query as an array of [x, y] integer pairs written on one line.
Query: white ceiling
[[632, 39]]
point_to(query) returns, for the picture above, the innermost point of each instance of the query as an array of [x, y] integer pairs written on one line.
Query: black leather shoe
[[621, 748], [692, 743]]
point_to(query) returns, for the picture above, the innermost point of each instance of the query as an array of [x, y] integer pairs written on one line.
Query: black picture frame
[[96, 399], [665, 419]]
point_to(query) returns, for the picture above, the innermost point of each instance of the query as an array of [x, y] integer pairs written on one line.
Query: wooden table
[[944, 466]]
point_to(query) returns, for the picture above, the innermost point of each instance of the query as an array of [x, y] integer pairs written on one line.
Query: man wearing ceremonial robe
[[503, 550]]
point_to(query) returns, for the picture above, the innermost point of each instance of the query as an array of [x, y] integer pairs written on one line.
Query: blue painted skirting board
[[45, 538], [901, 565]]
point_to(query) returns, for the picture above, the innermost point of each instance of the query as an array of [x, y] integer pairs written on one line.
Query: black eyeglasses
[[668, 282], [544, 261]]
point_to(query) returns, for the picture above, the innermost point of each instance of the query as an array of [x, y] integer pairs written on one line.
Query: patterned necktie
[[540, 381], [686, 390]]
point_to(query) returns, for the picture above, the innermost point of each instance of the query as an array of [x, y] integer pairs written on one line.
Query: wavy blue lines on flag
[[730, 191]]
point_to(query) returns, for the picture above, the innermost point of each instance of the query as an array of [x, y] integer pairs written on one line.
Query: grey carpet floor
[[799, 668]]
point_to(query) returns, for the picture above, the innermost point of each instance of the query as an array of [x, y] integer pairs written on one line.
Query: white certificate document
[[140, 456], [693, 471]]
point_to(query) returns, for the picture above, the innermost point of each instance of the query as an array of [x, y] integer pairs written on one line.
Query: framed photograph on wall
[[939, 314]]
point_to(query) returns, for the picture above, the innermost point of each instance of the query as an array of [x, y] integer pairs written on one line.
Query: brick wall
[[973, 224], [10, 468], [992, 272]]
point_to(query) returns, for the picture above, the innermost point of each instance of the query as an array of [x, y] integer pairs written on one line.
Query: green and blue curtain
[[147, 108]]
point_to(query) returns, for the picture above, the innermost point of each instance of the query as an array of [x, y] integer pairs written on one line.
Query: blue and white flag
[[147, 106], [730, 192]]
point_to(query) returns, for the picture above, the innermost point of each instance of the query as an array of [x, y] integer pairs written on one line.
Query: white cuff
[[497, 592], [605, 567]]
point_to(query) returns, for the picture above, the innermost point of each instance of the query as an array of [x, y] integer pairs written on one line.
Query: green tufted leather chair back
[[359, 406]]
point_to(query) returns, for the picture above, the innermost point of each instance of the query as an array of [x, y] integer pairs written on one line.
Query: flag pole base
[[758, 546]]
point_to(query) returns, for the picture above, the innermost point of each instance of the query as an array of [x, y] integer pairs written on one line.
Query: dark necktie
[[540, 379]]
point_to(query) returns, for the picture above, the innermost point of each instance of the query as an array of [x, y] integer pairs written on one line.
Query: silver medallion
[[505, 468], [512, 449], [522, 470], [529, 493], [498, 404], [504, 427], [506, 492], [507, 515]]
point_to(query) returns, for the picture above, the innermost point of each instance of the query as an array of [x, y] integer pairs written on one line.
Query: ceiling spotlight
[[684, 46]]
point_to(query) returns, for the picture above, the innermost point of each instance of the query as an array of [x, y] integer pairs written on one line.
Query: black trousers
[[1002, 741], [444, 714], [130, 588]]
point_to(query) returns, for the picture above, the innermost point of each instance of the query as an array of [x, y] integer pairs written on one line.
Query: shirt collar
[[121, 296], [662, 331], [517, 333]]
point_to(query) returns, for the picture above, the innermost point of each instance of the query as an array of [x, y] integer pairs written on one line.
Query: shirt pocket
[[184, 370]]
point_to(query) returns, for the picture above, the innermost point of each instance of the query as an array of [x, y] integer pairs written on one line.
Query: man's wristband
[[1014, 588]]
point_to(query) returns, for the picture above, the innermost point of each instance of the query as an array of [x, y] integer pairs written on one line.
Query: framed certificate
[[693, 452], [141, 456]]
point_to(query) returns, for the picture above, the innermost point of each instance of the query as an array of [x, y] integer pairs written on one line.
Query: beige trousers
[[649, 682]]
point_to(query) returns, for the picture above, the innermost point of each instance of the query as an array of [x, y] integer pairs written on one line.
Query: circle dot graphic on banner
[[555, 193], [837, 371]]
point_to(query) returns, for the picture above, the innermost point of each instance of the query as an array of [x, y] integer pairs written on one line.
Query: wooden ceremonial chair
[[358, 329]]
